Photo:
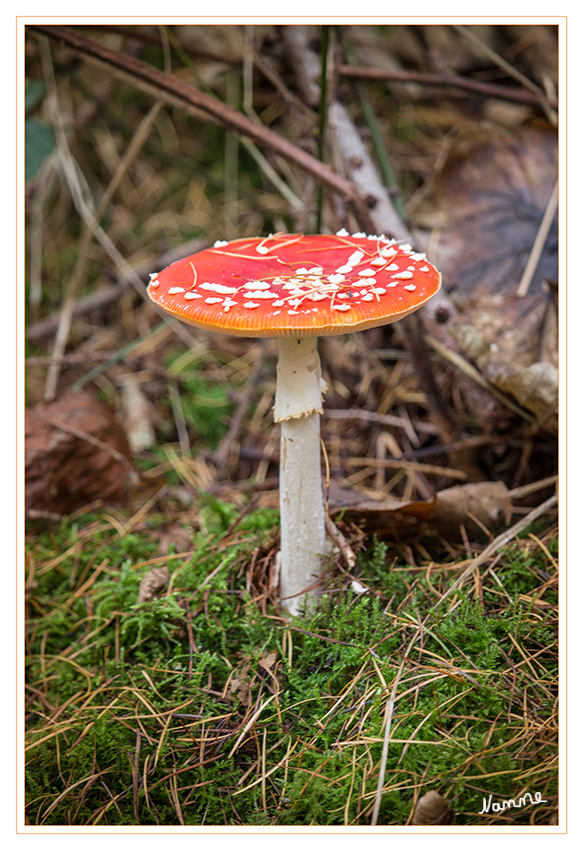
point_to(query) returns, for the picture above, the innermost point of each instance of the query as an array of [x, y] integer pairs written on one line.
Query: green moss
[[165, 690]]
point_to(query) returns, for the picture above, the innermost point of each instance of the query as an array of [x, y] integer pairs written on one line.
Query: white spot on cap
[[419, 256], [190, 296], [174, 290], [378, 290], [389, 252], [261, 293], [355, 258], [154, 283], [336, 278], [343, 307], [301, 271], [218, 287], [392, 268], [293, 312], [228, 303], [250, 305], [261, 249], [317, 296], [212, 300], [342, 232], [220, 243], [403, 276], [378, 261], [343, 269], [424, 269], [316, 270], [256, 284], [367, 273], [411, 287], [406, 248], [278, 304], [154, 275], [359, 235], [368, 297]]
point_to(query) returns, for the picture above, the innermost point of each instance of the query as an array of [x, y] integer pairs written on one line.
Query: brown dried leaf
[[152, 583], [268, 661], [240, 685], [505, 337], [536, 387], [76, 453], [487, 501], [174, 535], [432, 808], [488, 202]]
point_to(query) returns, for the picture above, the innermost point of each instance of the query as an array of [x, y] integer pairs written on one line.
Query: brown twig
[[475, 86], [342, 543], [99, 444]]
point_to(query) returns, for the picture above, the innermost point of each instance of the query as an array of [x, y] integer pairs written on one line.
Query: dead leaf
[[536, 387], [240, 685], [268, 661], [174, 535], [487, 501], [76, 453], [432, 808], [488, 202], [152, 583], [505, 337]]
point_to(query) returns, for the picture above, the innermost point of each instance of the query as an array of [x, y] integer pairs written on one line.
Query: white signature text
[[526, 800]]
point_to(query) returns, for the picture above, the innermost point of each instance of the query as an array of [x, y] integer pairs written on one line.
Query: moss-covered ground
[[205, 707]]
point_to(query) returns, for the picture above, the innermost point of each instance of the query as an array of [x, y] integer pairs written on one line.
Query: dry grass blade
[[500, 541], [510, 69], [464, 366], [388, 721], [250, 723], [539, 242]]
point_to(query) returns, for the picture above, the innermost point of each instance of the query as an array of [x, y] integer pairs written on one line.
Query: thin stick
[[486, 89], [477, 376], [104, 447], [539, 242], [527, 489], [342, 543]]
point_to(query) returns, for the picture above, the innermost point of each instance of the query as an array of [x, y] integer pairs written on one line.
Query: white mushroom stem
[[298, 404]]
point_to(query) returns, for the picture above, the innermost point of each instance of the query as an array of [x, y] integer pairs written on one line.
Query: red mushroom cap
[[295, 286]]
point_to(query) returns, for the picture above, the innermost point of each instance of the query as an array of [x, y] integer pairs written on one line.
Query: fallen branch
[[227, 115]]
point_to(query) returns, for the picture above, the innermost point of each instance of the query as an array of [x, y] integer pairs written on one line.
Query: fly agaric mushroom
[[296, 288]]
